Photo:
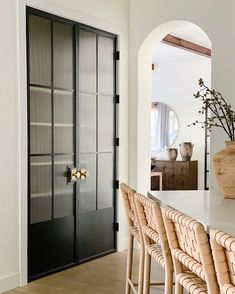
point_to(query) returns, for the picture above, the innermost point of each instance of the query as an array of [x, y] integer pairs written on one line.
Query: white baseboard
[[9, 282]]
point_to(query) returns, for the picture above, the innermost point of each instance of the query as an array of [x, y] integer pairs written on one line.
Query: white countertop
[[208, 207]]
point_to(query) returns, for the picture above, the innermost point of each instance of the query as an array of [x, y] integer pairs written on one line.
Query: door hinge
[[116, 227], [116, 142], [117, 55], [116, 184], [117, 99]]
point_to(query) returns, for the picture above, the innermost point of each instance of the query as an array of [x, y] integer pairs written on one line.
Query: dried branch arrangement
[[221, 114]]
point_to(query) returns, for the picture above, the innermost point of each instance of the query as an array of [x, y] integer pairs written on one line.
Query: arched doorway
[[145, 56]]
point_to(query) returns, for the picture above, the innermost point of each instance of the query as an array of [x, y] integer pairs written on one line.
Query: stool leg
[[168, 281], [178, 288], [129, 263], [141, 270], [147, 267]]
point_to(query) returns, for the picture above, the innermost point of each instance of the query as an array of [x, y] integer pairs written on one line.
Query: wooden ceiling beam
[[183, 44]]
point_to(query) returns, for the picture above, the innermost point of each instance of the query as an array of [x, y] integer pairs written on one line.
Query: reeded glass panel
[[40, 189], [87, 123], [63, 107], [87, 188], [40, 105], [105, 180], [40, 50], [40, 138], [105, 66], [105, 123], [63, 138], [63, 192], [63, 55], [87, 58]]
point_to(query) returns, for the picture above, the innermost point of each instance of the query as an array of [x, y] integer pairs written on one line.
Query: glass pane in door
[[40, 120], [40, 137], [87, 123], [105, 65], [87, 188], [63, 107], [63, 122], [105, 123], [40, 105], [63, 192], [105, 180], [40, 50], [63, 55], [87, 61], [41, 190]]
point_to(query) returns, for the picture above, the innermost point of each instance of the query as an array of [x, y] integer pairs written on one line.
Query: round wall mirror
[[164, 126]]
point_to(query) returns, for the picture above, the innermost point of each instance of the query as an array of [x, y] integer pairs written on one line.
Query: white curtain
[[161, 126]]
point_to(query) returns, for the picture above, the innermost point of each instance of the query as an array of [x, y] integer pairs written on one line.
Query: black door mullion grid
[[115, 147], [76, 133], [49, 87], [52, 120], [75, 91], [75, 130], [97, 119], [28, 124]]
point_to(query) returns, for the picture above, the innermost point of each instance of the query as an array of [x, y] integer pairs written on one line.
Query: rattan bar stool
[[191, 253], [223, 251], [134, 233], [155, 241]]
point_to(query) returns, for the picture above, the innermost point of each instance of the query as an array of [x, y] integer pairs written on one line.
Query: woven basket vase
[[224, 167]]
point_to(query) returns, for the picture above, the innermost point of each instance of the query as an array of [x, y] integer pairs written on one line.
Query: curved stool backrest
[[155, 240], [134, 233], [128, 201], [223, 250], [190, 249]]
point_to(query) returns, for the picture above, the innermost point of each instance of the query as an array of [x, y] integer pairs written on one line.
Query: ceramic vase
[[172, 153], [186, 150], [224, 168]]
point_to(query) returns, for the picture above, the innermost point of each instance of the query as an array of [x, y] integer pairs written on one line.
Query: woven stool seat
[[192, 283], [155, 251]]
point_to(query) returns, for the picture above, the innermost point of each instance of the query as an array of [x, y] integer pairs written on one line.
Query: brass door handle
[[73, 174], [83, 174]]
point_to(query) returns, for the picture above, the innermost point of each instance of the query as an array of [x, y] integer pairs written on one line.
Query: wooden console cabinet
[[176, 175]]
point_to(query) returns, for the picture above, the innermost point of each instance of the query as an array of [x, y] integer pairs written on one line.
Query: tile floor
[[105, 275]]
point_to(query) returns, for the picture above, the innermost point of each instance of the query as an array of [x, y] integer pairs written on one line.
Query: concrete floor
[[100, 276]]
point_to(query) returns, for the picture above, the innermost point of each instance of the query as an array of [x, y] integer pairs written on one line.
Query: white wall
[[149, 23], [214, 16], [109, 15], [9, 146], [174, 83]]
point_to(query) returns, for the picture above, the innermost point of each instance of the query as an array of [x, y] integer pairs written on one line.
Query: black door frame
[[76, 26]]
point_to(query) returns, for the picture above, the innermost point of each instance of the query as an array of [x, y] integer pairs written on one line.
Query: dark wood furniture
[[176, 175]]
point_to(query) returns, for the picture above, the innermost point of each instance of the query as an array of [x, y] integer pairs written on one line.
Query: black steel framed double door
[[71, 142]]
